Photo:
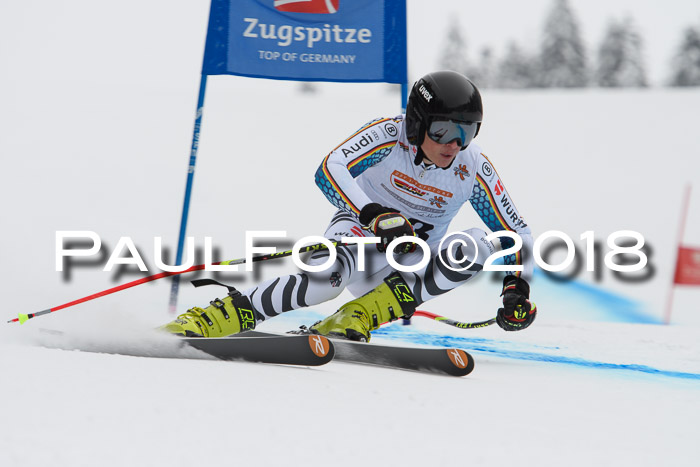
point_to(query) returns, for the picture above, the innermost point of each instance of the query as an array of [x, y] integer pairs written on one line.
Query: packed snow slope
[[100, 142], [576, 394]]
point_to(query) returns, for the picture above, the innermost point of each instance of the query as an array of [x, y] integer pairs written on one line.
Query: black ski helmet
[[445, 95]]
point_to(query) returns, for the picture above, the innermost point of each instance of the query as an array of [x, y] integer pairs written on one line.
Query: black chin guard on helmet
[[442, 95]]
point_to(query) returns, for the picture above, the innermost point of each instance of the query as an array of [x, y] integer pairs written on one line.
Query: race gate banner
[[315, 40]]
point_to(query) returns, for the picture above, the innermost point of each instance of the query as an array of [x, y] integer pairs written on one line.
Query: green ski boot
[[354, 320], [221, 318]]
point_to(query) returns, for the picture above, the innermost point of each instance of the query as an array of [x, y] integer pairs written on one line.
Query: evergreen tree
[[563, 61], [484, 75], [516, 70], [454, 52], [308, 87], [620, 58], [686, 63]]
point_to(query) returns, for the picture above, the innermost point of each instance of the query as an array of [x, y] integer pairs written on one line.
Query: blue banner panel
[[314, 40]]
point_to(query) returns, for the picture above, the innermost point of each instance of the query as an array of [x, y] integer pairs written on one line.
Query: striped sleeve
[[494, 205], [363, 149]]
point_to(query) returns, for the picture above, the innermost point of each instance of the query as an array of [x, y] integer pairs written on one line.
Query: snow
[[104, 146], [80, 408]]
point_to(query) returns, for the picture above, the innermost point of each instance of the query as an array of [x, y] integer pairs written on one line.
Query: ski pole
[[452, 322], [22, 317]]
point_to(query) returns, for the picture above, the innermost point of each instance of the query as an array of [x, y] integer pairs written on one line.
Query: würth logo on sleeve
[[307, 6], [499, 188]]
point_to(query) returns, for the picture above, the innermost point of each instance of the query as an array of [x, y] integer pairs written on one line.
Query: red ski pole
[[22, 317]]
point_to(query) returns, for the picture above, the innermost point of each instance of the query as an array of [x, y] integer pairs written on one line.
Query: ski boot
[[354, 320], [221, 318]]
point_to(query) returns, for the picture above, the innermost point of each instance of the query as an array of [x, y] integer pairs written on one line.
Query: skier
[[398, 177]]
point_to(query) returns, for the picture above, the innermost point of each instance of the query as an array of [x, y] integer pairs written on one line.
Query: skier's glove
[[387, 224], [517, 312]]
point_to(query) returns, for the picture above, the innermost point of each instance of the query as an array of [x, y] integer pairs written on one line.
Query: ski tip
[[462, 361], [22, 318], [321, 346]]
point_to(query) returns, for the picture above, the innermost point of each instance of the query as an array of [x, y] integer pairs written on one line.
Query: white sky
[[43, 39], [496, 22]]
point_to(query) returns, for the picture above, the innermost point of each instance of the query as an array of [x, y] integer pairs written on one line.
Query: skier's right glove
[[387, 224], [517, 312]]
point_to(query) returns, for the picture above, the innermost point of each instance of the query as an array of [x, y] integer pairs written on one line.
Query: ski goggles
[[446, 131]]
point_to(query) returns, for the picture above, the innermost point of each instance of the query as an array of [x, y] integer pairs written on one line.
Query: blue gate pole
[[404, 96], [188, 190], [404, 103]]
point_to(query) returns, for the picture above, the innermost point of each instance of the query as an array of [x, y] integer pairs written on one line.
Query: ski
[[454, 362], [445, 361], [314, 350], [309, 350]]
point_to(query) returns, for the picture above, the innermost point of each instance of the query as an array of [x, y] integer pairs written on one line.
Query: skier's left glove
[[517, 312]]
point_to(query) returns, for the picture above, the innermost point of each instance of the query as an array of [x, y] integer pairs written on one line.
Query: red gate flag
[[688, 266]]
